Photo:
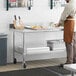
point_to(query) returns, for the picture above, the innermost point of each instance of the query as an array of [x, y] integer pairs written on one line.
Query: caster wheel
[[24, 65], [15, 61]]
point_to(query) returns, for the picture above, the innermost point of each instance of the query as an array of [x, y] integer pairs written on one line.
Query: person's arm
[[64, 15]]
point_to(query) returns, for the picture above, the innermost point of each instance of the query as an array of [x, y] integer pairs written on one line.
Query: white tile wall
[[40, 13]]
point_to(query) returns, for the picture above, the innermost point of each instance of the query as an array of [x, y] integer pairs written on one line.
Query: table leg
[[14, 59], [24, 61], [72, 73]]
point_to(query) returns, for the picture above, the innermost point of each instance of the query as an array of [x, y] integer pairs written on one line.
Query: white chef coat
[[69, 10]]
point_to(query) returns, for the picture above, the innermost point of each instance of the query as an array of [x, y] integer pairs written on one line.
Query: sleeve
[[65, 14]]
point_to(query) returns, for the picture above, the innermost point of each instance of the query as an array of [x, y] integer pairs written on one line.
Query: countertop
[[54, 29]]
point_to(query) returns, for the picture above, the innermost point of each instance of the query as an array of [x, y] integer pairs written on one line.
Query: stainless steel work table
[[23, 32]]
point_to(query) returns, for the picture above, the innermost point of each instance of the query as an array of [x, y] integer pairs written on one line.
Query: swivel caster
[[15, 61], [24, 65]]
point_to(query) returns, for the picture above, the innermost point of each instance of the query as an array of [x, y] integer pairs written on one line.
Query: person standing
[[68, 20]]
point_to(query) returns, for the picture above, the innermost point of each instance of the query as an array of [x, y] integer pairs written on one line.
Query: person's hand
[[57, 25]]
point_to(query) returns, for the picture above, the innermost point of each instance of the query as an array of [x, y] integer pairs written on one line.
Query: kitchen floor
[[33, 64]]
